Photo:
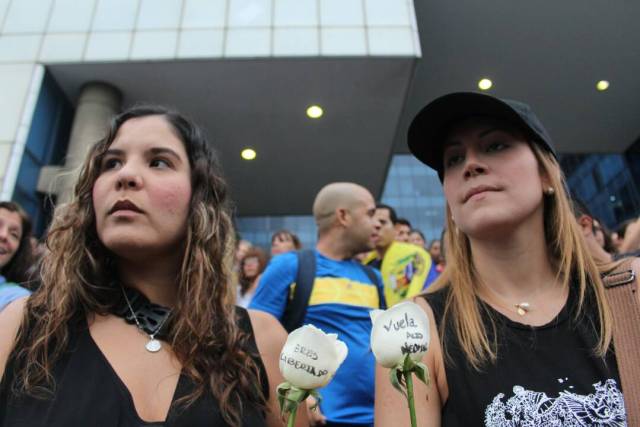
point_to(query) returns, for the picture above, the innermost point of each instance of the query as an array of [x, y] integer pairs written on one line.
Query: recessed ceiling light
[[315, 111], [485, 84], [248, 154], [602, 85]]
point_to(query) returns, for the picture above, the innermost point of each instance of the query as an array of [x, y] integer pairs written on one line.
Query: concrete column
[[98, 102]]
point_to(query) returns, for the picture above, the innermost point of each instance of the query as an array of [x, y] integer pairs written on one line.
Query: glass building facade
[[604, 182], [411, 188]]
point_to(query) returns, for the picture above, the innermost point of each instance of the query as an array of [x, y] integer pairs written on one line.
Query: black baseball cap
[[428, 128]]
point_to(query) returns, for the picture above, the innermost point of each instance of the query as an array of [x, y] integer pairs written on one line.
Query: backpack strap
[[373, 277], [296, 309], [622, 295]]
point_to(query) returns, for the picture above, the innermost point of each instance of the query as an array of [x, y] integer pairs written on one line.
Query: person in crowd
[[134, 322], [603, 236], [251, 267], [342, 295], [416, 237], [437, 260], [242, 247], [404, 267], [15, 253], [628, 237], [590, 232], [403, 229], [284, 241], [443, 249], [435, 250], [520, 324]]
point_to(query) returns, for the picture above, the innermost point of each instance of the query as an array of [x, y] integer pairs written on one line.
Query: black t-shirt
[[544, 376], [88, 392]]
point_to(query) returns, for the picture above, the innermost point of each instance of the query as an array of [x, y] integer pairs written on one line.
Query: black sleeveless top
[[544, 376], [89, 393]]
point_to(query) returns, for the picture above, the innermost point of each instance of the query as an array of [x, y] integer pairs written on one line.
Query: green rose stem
[[412, 404], [292, 417], [290, 397], [401, 379]]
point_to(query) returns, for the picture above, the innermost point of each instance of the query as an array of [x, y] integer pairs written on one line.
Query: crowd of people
[[146, 308]]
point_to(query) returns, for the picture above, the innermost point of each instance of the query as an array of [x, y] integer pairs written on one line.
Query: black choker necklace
[[137, 310]]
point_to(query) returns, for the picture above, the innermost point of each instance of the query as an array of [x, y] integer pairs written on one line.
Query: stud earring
[[550, 191]]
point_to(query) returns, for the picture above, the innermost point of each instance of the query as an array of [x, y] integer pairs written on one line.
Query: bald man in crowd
[[342, 295]]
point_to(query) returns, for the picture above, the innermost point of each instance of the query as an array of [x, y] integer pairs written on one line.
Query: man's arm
[[273, 289]]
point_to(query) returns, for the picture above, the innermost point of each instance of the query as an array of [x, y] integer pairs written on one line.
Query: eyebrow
[[113, 152], [488, 131], [154, 151], [163, 150]]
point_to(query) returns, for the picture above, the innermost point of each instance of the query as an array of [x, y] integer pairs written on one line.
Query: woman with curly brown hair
[[133, 323]]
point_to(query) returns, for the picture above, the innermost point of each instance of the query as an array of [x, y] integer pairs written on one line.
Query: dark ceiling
[[261, 103], [549, 54]]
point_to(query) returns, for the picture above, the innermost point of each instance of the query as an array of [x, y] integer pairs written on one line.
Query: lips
[[124, 205], [479, 189]]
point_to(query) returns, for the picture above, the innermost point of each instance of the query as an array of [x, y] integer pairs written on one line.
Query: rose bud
[[403, 329], [310, 358]]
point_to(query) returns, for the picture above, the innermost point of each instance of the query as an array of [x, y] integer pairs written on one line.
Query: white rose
[[403, 329], [310, 358]]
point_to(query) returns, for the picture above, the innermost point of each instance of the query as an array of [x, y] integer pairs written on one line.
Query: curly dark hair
[[17, 269], [78, 280]]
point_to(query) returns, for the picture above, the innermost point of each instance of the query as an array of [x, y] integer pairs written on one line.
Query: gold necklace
[[523, 308]]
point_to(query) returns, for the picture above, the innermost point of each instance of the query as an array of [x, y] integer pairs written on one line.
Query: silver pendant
[[153, 346]]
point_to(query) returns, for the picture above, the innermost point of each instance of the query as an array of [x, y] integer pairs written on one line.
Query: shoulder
[[269, 333], [10, 319], [434, 356], [370, 257], [437, 300], [10, 292], [269, 337], [284, 263]]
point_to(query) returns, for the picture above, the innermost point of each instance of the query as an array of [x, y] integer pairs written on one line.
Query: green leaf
[[282, 391], [290, 406], [395, 375], [297, 394], [422, 372], [289, 397]]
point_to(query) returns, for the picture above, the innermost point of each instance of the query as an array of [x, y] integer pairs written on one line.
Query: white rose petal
[[310, 358], [403, 329]]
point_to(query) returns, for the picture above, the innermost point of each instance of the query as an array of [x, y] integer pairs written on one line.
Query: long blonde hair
[[78, 277], [567, 250]]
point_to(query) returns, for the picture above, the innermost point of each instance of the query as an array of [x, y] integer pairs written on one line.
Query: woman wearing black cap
[[520, 324]]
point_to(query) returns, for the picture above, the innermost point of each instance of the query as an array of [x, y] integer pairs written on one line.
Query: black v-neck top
[[89, 393], [544, 376]]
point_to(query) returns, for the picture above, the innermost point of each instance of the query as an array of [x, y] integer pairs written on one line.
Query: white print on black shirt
[[604, 408]]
